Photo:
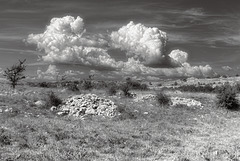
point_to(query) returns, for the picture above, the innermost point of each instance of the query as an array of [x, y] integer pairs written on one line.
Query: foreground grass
[[144, 132]]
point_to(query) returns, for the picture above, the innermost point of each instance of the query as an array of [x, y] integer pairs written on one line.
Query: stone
[[53, 108], [185, 101], [89, 104], [61, 113], [90, 111], [40, 103]]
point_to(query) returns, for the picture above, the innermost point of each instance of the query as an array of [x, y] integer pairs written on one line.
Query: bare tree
[[15, 73]]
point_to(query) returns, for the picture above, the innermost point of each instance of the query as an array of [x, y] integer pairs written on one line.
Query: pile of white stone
[[141, 98], [174, 100], [185, 101], [88, 104]]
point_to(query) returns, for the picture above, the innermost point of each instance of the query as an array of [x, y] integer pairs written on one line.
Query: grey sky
[[209, 30]]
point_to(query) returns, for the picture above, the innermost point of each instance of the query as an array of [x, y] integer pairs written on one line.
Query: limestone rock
[[40, 103], [89, 104], [185, 101]]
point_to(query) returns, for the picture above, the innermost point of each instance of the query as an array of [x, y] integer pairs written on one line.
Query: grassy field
[[145, 131]]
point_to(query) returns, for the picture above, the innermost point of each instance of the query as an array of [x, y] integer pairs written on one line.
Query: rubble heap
[[88, 104], [185, 101], [174, 100], [143, 98]]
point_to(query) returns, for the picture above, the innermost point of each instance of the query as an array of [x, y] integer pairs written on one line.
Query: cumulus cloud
[[73, 73], [140, 42], [147, 45], [65, 41], [146, 49], [136, 67], [51, 73], [227, 68], [179, 56]]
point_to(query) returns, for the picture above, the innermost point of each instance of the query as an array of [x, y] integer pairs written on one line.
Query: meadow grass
[[145, 131]]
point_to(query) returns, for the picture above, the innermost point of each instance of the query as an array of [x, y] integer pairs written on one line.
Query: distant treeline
[[208, 88]]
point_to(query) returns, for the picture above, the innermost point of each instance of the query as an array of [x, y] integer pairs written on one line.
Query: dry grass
[[144, 132]]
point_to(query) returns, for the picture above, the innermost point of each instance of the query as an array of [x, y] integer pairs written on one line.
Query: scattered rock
[[40, 103], [53, 108], [8, 110], [185, 101], [89, 104], [144, 97]]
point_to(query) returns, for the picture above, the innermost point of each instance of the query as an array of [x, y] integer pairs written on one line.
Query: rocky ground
[[91, 125]]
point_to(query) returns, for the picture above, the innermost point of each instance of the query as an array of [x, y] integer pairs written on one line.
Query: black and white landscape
[[136, 80]]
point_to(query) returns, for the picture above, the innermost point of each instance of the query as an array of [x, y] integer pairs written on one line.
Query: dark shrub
[[144, 87], [159, 84], [43, 84], [87, 85], [100, 85], [226, 97], [126, 88], [199, 88], [5, 137], [52, 100], [125, 113], [163, 99], [136, 84], [72, 87], [112, 90]]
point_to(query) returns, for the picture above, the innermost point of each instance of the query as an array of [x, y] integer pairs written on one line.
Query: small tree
[[15, 73]]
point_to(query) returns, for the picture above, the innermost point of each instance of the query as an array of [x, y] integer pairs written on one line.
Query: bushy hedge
[[52, 100], [193, 88], [226, 97], [163, 99]]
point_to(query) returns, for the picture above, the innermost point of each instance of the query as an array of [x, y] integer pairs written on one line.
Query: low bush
[[72, 87], [52, 100], [199, 88], [126, 88], [226, 97], [136, 85], [87, 85], [5, 137], [112, 90], [43, 84], [125, 113], [163, 99]]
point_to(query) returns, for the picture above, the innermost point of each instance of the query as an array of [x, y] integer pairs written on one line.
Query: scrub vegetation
[[146, 128]]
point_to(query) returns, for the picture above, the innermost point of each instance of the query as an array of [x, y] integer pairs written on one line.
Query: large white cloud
[[137, 68], [141, 42], [146, 48], [65, 41]]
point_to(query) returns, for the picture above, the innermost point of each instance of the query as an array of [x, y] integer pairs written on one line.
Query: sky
[[115, 38]]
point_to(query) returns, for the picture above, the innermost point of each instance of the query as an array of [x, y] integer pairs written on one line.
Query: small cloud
[[152, 78], [73, 73], [51, 73], [194, 12], [227, 68]]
